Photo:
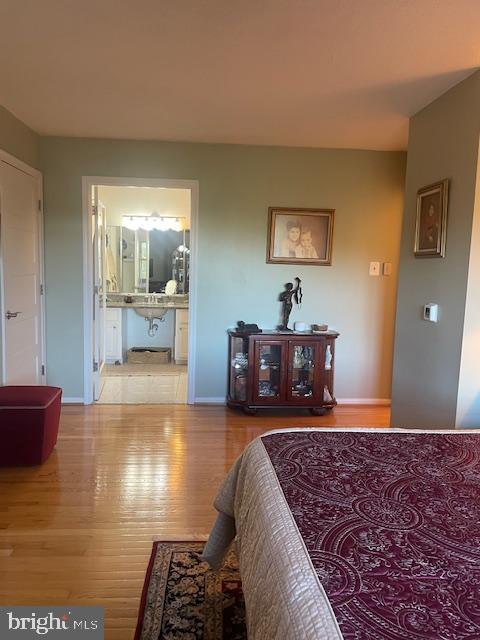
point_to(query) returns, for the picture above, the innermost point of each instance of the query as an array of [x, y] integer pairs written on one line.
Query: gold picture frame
[[431, 221], [300, 236]]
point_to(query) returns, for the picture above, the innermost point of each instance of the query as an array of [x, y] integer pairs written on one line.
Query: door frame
[[34, 173], [87, 183], [99, 215]]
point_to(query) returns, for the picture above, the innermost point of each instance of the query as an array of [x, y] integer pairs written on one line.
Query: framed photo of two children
[[300, 236]]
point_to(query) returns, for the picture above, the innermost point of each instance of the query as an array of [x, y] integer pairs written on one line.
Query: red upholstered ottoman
[[29, 418]]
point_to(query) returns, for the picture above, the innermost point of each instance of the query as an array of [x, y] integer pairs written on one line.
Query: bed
[[356, 534]]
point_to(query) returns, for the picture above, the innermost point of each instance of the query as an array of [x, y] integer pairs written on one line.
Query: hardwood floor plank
[[79, 529]]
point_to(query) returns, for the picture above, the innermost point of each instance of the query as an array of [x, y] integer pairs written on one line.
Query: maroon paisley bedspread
[[392, 526]]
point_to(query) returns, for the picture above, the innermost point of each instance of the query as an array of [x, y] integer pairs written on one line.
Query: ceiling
[[318, 73]]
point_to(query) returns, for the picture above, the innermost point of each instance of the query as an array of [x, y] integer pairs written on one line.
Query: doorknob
[[12, 314]]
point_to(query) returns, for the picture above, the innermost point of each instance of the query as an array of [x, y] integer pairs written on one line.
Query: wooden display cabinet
[[281, 369]]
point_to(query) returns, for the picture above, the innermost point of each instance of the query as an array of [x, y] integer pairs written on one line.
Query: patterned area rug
[[184, 599]]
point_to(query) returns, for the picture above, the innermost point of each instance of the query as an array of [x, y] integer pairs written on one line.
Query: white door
[[102, 282], [99, 292], [20, 235]]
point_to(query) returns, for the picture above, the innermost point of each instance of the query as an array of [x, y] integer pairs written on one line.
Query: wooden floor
[[79, 529]]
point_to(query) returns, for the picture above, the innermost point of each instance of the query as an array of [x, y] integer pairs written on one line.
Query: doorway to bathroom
[[140, 241]]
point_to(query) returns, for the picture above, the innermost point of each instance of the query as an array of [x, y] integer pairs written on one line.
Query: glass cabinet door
[[303, 371], [238, 368], [268, 372], [328, 396]]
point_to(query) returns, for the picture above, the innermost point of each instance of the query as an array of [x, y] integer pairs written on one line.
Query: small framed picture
[[300, 236], [431, 222]]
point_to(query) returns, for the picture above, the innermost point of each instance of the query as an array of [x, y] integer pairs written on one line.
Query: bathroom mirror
[[143, 261]]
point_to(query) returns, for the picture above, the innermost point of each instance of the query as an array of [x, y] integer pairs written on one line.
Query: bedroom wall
[[18, 140], [237, 185], [443, 143], [468, 396]]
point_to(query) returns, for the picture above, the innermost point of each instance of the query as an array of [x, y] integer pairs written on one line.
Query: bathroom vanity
[[181, 336], [113, 335], [127, 323]]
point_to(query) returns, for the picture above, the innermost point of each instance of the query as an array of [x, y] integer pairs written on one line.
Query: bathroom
[[142, 276]]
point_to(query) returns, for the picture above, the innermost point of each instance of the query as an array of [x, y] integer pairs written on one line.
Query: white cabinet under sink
[[113, 335], [127, 329], [181, 336]]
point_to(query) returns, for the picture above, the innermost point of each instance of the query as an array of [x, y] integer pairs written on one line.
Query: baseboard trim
[[383, 402], [73, 401], [209, 400]]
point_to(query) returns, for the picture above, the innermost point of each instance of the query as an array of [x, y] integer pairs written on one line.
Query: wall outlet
[[374, 269], [387, 268]]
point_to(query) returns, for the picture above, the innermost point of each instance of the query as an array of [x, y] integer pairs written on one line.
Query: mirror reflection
[[142, 260], [147, 239]]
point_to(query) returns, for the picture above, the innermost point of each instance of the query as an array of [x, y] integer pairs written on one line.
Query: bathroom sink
[[151, 312]]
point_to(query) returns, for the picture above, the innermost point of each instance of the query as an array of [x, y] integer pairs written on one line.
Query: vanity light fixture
[[153, 221]]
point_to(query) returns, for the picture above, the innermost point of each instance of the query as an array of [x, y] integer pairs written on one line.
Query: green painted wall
[[237, 185], [443, 143], [18, 139]]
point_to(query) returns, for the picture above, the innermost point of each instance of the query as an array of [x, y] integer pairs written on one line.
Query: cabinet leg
[[318, 411], [249, 412]]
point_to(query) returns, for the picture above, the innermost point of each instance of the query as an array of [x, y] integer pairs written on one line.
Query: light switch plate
[[430, 312], [374, 269], [387, 268]]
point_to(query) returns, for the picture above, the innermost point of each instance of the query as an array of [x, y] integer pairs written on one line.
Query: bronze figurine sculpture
[[291, 292]]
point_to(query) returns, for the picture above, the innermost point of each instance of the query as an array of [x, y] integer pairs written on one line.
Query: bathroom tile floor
[[144, 384], [143, 369]]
